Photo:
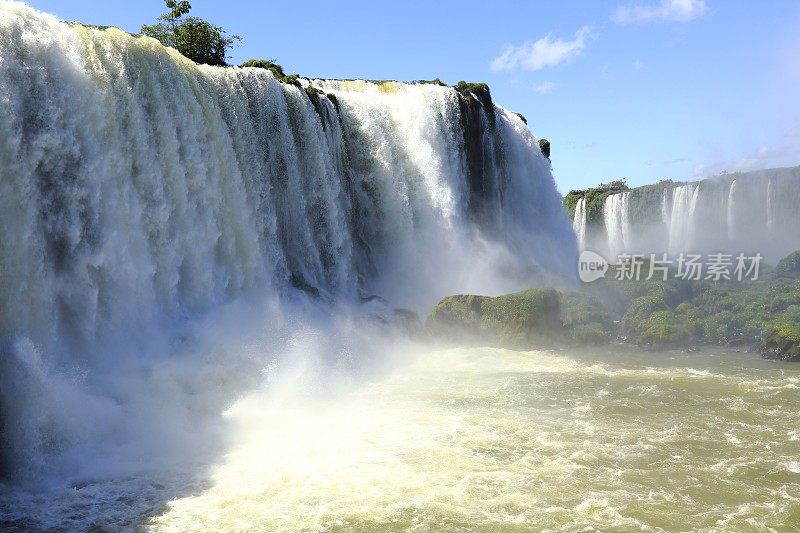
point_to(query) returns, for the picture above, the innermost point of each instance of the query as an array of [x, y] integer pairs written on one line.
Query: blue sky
[[641, 90]]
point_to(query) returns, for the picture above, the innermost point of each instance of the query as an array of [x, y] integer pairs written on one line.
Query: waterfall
[[731, 212], [680, 226], [768, 210], [140, 191], [579, 222], [617, 224], [752, 212]]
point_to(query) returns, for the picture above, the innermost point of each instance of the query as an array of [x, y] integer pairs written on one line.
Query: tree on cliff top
[[195, 38]]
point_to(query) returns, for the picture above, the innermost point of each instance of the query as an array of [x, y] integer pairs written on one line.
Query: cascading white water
[[752, 212], [616, 218], [682, 203], [665, 206], [139, 191], [768, 209], [579, 222], [731, 212]]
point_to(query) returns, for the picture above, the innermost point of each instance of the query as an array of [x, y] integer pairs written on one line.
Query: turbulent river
[[492, 440]]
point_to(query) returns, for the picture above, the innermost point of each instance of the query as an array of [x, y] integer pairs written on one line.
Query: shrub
[[434, 81], [789, 266], [544, 146], [266, 64], [782, 342], [592, 333], [195, 38], [519, 319], [663, 329]]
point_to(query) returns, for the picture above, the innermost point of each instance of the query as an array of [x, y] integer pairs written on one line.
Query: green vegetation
[[544, 146], [763, 315], [275, 68], [789, 266], [644, 200], [782, 342], [512, 320], [595, 197], [266, 64], [195, 38], [525, 120], [479, 90], [535, 317]]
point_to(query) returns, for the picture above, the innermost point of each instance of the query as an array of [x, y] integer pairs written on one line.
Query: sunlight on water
[[496, 439]]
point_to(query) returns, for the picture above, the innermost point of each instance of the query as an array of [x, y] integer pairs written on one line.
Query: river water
[[479, 439], [497, 440]]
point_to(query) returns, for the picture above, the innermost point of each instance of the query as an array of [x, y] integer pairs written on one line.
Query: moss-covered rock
[[544, 146], [782, 342], [478, 90], [540, 317], [523, 319], [276, 69], [266, 64]]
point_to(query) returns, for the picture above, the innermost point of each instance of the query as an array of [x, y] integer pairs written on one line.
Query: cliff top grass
[[595, 197]]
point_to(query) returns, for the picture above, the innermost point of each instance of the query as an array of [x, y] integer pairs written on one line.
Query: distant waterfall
[[747, 212], [579, 222], [617, 223], [769, 213], [731, 213], [680, 207]]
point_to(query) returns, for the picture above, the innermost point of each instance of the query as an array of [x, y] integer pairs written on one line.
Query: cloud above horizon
[[764, 157], [546, 52], [666, 10]]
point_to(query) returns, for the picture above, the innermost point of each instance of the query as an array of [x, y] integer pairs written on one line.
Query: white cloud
[[673, 10], [638, 65], [543, 88], [546, 52], [762, 158]]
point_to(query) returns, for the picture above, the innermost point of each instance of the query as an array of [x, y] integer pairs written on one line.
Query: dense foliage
[[760, 314], [195, 38], [540, 317]]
